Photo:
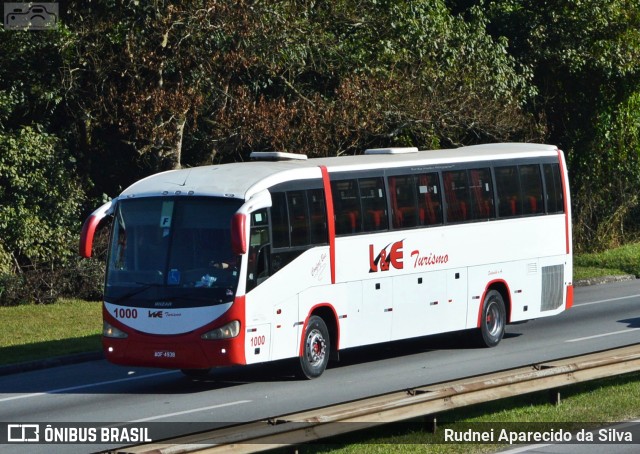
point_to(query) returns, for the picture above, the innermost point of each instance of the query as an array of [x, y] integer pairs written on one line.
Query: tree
[[584, 55], [207, 81], [39, 194]]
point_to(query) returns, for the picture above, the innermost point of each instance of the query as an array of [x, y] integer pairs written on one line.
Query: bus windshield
[[173, 249]]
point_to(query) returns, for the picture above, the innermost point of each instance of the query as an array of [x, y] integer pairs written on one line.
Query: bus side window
[[481, 194], [553, 184], [456, 190], [508, 187], [531, 184], [403, 201], [429, 203], [279, 220], [258, 267], [263, 258], [298, 218], [374, 204], [318, 213], [346, 201]]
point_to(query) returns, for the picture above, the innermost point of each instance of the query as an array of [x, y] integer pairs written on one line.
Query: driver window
[[258, 269]]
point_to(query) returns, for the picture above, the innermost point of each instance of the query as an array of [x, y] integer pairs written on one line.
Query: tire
[[195, 373], [316, 346], [493, 320]]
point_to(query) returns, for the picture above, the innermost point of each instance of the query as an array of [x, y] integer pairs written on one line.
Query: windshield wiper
[[144, 286], [198, 296]]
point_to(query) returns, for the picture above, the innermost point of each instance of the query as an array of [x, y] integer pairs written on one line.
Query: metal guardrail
[[303, 427]]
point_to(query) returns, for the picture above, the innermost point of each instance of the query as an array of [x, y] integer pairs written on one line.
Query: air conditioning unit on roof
[[276, 156], [398, 150]]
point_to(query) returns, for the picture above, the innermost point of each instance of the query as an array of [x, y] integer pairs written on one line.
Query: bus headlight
[[113, 332], [224, 332]]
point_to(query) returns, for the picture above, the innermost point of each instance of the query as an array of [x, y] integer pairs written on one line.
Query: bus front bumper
[[176, 352]]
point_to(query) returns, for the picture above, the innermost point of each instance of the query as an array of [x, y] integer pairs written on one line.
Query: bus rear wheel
[[315, 349], [493, 319]]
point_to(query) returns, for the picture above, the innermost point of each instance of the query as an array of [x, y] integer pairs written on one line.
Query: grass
[[622, 260], [583, 406], [32, 332]]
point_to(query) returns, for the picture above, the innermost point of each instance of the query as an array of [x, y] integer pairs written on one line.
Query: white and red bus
[[289, 257]]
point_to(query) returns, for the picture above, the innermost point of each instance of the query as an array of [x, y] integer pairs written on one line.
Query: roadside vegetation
[[623, 260], [44, 331], [583, 406]]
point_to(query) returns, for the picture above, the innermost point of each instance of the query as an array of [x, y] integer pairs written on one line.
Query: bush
[[45, 283], [606, 195], [11, 293]]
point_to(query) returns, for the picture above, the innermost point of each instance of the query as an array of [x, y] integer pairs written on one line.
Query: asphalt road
[[603, 317]]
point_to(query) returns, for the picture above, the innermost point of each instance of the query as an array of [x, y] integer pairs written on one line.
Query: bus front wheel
[[315, 348], [493, 319]]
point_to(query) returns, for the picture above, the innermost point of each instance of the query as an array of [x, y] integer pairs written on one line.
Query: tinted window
[[456, 190], [318, 213], [298, 218], [531, 185], [481, 189], [346, 204], [259, 257], [415, 200], [279, 220], [374, 204], [508, 189], [553, 184], [404, 204]]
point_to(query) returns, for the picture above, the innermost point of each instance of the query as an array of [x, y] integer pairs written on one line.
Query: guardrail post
[[434, 425]]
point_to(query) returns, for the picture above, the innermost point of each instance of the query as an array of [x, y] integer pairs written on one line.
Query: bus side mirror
[[238, 234], [89, 228]]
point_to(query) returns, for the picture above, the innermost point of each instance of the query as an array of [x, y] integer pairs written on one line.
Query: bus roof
[[242, 180]]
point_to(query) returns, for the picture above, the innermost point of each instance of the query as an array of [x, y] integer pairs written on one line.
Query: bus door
[[454, 315], [377, 310], [420, 300]]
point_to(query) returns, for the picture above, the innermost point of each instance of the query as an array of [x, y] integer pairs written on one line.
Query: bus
[[288, 257]]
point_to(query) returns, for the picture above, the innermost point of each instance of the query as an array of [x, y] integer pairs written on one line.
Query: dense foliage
[[124, 89], [585, 55]]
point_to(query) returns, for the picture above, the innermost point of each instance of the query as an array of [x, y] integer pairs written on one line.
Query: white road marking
[[90, 385], [624, 331], [606, 301], [186, 412]]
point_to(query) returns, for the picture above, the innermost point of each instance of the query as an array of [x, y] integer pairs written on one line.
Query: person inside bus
[[224, 265]]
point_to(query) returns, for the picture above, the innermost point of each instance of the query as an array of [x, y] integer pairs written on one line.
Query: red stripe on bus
[[331, 226], [306, 322], [565, 191], [569, 302], [507, 304]]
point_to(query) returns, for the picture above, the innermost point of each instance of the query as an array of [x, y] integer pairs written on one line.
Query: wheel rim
[[493, 320], [316, 347]]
